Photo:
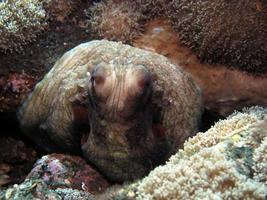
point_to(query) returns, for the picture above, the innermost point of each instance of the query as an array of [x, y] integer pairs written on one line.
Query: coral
[[115, 20], [121, 20], [225, 128], [225, 32], [260, 158], [160, 37], [20, 23], [139, 106], [152, 8], [226, 162], [59, 10]]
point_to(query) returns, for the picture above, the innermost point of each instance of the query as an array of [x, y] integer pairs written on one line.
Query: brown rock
[[14, 88], [16, 160]]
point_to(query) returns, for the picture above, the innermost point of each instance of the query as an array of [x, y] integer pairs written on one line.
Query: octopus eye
[[97, 80], [145, 81]]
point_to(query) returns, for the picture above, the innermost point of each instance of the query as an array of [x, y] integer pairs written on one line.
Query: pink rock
[[68, 171]]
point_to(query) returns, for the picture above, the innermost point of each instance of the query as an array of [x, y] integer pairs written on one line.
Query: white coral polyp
[[205, 168]]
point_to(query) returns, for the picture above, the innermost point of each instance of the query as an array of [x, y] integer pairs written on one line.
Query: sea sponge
[[225, 32], [226, 162], [20, 23], [115, 20]]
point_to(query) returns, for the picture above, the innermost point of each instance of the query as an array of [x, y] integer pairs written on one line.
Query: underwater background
[[145, 99]]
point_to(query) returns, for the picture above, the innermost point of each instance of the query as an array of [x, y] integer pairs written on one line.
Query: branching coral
[[226, 162], [20, 23], [226, 32]]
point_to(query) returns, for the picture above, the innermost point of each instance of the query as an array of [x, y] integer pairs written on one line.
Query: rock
[[16, 160], [224, 89], [37, 189], [225, 162], [66, 171], [14, 88], [141, 108]]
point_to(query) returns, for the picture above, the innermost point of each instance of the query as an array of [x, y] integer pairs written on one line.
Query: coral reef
[[227, 161], [225, 32], [141, 108], [123, 20], [20, 23], [60, 9], [152, 8], [115, 20], [218, 98]]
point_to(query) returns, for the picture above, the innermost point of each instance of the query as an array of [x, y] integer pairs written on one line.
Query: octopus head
[[121, 140]]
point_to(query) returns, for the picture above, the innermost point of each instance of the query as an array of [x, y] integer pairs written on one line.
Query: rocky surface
[[16, 160], [224, 89], [58, 176], [68, 171], [14, 88], [37, 189]]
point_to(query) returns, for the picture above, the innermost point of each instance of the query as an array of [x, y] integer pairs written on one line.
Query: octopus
[[126, 110]]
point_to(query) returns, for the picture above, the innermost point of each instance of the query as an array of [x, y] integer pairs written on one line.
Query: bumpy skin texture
[[226, 32], [226, 162], [123, 147]]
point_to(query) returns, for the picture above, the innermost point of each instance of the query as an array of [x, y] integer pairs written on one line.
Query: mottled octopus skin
[[47, 115]]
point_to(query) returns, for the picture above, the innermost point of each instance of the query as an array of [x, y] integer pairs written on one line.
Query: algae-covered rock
[[36, 189], [69, 172], [226, 162], [139, 108], [225, 32], [29, 189]]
